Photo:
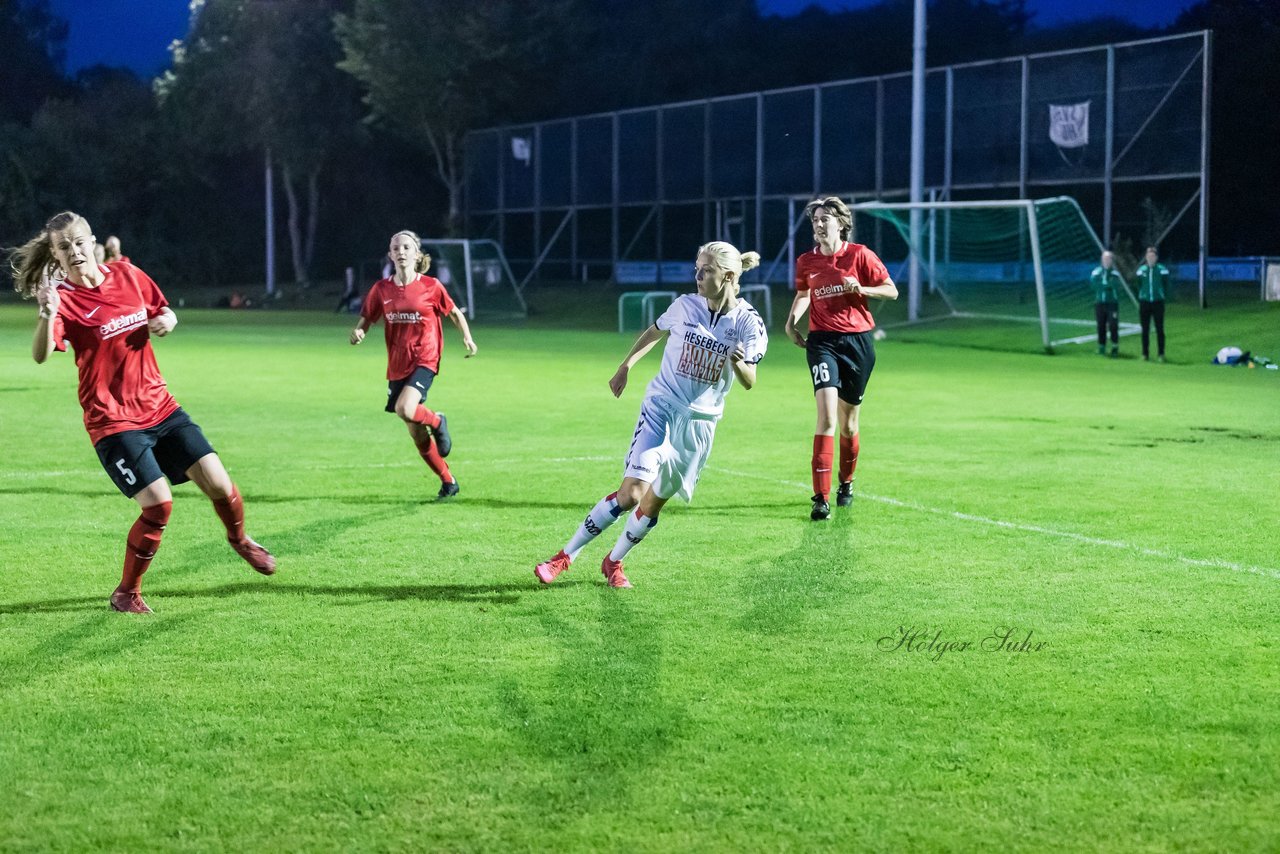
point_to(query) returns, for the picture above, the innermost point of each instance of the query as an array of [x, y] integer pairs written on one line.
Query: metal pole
[[537, 194], [1109, 146], [573, 197], [1204, 165], [466, 271], [759, 235], [1022, 129], [1034, 229], [917, 154], [659, 180], [791, 242], [817, 147], [616, 178], [271, 227]]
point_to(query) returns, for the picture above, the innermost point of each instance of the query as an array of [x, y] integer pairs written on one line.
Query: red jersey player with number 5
[[410, 305], [108, 313], [834, 280]]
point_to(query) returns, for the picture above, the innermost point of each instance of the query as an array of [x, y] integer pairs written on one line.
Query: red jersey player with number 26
[[108, 313], [410, 305], [834, 280]]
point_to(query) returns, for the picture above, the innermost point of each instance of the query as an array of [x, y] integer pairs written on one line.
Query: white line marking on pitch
[[399, 465], [893, 502], [1033, 529]]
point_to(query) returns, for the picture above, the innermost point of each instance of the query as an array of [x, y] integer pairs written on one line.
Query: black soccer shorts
[[843, 361], [421, 379], [135, 458]]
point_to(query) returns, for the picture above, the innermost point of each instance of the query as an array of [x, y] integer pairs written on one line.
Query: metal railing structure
[[573, 198]]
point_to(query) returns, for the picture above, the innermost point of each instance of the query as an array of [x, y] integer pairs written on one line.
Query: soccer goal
[[476, 274], [1000, 262]]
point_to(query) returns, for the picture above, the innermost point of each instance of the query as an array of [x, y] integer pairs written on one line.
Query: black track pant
[[1147, 312], [1108, 315]]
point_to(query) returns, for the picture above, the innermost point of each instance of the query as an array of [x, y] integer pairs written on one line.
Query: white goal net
[[1007, 262]]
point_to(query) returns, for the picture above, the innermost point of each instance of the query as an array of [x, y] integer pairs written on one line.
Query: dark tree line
[[362, 106]]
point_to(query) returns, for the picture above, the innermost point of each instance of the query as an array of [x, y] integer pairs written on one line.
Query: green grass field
[[404, 683]]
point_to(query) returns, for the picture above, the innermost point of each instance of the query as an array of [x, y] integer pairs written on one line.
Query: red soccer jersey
[[120, 384], [831, 307], [411, 315]]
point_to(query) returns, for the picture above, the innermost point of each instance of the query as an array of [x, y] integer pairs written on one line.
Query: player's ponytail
[[29, 261], [423, 264], [750, 260]]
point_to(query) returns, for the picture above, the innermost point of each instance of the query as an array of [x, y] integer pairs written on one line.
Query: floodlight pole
[[917, 156], [268, 190]]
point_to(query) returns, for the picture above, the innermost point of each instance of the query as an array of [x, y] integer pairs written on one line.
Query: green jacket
[[1153, 282], [1107, 284]]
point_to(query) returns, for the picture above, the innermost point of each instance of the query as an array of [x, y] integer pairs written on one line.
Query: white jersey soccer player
[[683, 402], [694, 361], [712, 337]]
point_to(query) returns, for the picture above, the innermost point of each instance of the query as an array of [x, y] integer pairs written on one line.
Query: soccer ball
[[878, 335]]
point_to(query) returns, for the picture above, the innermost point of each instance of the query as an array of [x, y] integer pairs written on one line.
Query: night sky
[[137, 33]]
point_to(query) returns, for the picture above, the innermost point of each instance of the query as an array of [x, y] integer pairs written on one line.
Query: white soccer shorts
[[670, 447]]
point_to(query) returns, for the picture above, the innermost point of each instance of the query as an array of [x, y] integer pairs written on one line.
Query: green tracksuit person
[[1153, 288], [1107, 284]]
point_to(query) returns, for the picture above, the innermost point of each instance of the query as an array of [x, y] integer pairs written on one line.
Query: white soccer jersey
[[695, 370]]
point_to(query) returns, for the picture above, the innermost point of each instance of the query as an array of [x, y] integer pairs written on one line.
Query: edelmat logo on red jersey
[[404, 317], [123, 323]]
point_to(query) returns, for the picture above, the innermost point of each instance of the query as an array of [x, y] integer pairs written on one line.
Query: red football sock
[[821, 463], [431, 456], [142, 544], [848, 457], [231, 511], [422, 415]]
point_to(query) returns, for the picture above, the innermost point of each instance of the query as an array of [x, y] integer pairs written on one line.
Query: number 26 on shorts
[[820, 373]]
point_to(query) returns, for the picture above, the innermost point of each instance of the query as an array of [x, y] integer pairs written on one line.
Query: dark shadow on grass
[[601, 718], [491, 594], [48, 490], [820, 568], [98, 636]]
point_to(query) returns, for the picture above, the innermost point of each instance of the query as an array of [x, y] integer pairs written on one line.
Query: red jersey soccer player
[[108, 314], [411, 305], [833, 283]]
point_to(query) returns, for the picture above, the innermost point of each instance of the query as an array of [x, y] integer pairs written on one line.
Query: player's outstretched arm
[[460, 320], [799, 306], [643, 345], [48, 299]]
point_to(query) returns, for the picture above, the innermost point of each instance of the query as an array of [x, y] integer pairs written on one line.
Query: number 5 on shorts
[[820, 373], [130, 478]]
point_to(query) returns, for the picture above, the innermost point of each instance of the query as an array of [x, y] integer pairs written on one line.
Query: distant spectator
[[1153, 290], [1107, 283], [111, 247]]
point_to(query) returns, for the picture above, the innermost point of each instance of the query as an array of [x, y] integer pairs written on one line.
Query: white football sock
[[604, 514], [637, 526]]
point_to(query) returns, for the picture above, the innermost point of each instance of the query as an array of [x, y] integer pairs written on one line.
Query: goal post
[[1005, 261], [477, 276]]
